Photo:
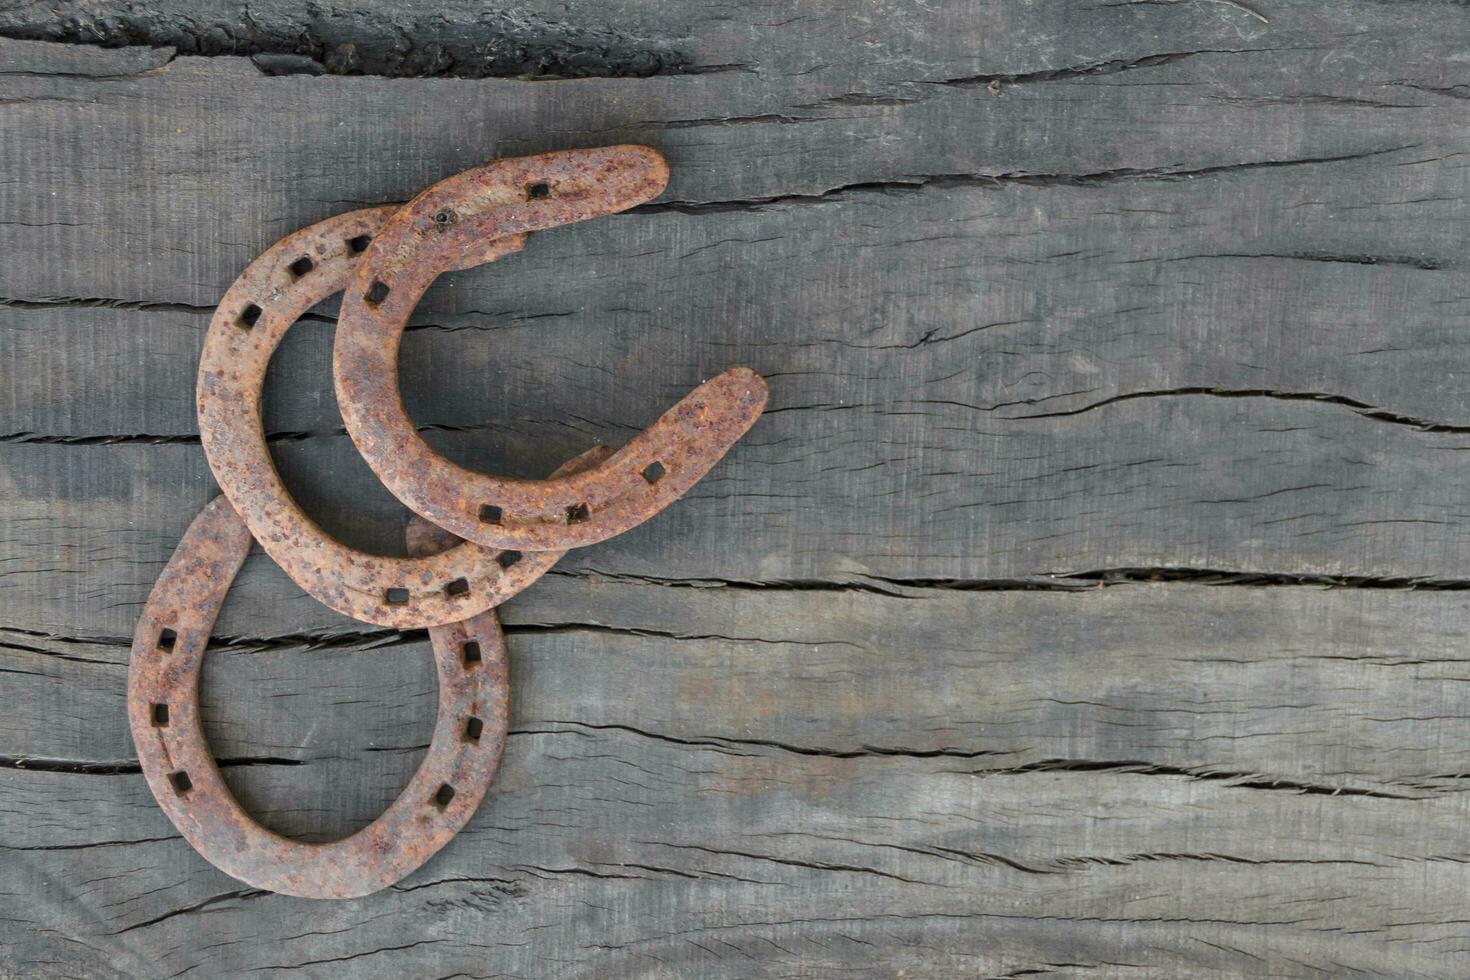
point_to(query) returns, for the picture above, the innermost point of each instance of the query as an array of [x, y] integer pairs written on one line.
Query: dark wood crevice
[[285, 39]]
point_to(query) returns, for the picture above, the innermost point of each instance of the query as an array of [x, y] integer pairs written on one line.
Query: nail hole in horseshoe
[[445, 794], [471, 654], [443, 219], [490, 514], [359, 244], [472, 729], [654, 471], [396, 597], [456, 588], [180, 781], [160, 715], [248, 316], [507, 558], [302, 266], [577, 514], [376, 293], [166, 640], [538, 190]]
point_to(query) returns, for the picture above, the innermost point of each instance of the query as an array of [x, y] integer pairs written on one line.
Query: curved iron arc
[[163, 713], [444, 228], [252, 319]]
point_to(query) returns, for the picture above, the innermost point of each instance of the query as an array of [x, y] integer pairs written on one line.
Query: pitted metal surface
[[292, 276], [446, 227]]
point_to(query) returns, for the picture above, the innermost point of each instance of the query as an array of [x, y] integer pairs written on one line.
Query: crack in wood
[[289, 39], [1233, 779], [993, 82], [1364, 409], [124, 768], [921, 182]]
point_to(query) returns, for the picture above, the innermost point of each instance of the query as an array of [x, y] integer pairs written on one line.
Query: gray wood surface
[[1091, 602]]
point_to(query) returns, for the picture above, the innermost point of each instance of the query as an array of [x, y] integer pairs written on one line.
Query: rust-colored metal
[[386, 258], [163, 712], [448, 226], [253, 317]]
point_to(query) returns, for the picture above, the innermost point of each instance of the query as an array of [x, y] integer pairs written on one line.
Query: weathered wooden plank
[[1201, 482], [612, 854], [1351, 690], [884, 288]]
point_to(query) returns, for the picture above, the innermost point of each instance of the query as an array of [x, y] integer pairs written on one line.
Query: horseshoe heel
[[163, 713], [292, 276], [443, 228]]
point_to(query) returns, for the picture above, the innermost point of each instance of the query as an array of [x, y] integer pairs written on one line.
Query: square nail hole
[[376, 293], [444, 796], [180, 781], [396, 597], [456, 588], [249, 316], [489, 514], [508, 558], [472, 730], [471, 652], [302, 266], [538, 190], [577, 514], [654, 471], [359, 244], [166, 640], [160, 715]]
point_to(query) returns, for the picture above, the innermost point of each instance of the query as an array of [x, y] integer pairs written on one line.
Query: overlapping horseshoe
[[447, 227], [387, 257], [295, 274], [163, 713]]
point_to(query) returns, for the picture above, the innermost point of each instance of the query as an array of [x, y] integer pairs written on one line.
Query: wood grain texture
[[1055, 299]]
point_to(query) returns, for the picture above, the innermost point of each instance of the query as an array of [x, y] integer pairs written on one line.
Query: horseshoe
[[295, 274], [163, 713], [444, 228]]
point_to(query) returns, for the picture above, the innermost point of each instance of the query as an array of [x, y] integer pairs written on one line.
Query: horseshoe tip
[[642, 166], [650, 159], [757, 390]]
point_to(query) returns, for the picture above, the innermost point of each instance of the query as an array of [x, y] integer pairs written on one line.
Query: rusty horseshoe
[[163, 713], [253, 317], [466, 544], [447, 227]]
